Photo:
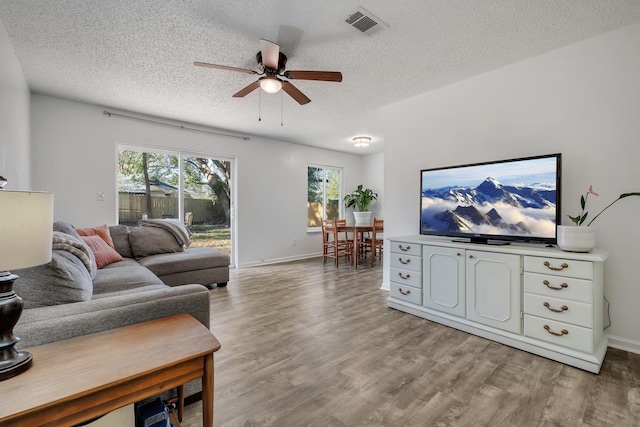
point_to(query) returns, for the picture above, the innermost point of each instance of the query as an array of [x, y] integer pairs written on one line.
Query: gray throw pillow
[[63, 280], [147, 241], [65, 227], [120, 236]]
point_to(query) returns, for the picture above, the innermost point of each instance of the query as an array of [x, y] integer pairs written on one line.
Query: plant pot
[[576, 239], [362, 218]]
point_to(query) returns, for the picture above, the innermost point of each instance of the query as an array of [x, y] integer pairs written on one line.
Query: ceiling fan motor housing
[[282, 63]]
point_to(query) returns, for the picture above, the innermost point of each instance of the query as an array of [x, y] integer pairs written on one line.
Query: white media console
[[535, 298]]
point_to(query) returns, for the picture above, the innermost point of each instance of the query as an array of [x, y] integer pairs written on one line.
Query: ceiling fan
[[271, 66]]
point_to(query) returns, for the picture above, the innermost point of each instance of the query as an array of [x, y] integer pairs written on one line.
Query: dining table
[[357, 232]]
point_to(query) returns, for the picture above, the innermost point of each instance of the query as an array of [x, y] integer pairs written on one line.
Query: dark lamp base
[[16, 365], [12, 362]]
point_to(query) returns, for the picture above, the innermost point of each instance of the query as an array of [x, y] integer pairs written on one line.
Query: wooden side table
[[81, 378]]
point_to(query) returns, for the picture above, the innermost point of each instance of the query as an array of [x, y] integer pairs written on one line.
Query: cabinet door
[[443, 279], [493, 289]]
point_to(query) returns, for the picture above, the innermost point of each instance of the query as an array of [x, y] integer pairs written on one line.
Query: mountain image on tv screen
[[501, 199]]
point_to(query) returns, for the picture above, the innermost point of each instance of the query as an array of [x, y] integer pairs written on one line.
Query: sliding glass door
[[192, 188]]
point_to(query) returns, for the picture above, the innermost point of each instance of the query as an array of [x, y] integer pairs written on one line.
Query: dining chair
[[341, 223], [188, 219], [332, 245], [375, 242]]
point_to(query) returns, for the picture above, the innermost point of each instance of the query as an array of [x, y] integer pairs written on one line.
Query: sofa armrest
[[42, 325]]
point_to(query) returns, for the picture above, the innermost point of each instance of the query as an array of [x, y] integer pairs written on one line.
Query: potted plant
[[581, 238], [360, 198]]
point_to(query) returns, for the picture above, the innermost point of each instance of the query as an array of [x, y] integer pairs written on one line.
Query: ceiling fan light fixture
[[361, 141], [271, 84]]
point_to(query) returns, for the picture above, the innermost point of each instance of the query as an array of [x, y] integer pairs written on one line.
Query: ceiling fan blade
[[295, 93], [247, 90], [289, 39], [225, 67], [325, 76], [270, 54]]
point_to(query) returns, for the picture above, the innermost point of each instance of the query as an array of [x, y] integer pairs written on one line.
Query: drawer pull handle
[[404, 292], [458, 254], [558, 334], [555, 310], [404, 248], [555, 288], [402, 276], [562, 266], [403, 261]]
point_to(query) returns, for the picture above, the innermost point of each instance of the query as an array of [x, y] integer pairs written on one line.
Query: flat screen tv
[[494, 202]]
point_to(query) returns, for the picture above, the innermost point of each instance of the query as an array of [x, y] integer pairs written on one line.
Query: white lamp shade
[[26, 220]]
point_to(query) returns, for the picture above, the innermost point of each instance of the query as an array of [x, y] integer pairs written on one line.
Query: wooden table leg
[[207, 392], [180, 402]]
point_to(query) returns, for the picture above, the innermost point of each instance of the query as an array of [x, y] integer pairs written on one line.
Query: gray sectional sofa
[[156, 277], [64, 299]]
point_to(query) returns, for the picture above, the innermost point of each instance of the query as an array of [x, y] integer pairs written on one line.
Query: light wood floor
[[310, 345]]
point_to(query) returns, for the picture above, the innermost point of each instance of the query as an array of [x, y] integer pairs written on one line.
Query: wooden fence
[[132, 206], [314, 212]]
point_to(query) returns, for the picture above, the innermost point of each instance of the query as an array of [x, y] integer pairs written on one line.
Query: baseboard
[[279, 260], [623, 344]]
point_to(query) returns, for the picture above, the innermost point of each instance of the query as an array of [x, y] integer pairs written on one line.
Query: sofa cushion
[[147, 241], [65, 227], [120, 237], [123, 275], [199, 258], [76, 247], [102, 231], [104, 253], [63, 280]]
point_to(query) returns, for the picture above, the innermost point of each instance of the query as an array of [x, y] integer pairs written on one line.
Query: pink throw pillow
[[104, 253], [102, 231]]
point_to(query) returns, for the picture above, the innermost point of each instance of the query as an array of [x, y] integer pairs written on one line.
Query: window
[[324, 194], [148, 185]]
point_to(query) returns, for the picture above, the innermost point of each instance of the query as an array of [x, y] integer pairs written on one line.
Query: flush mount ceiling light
[[270, 84], [361, 141]]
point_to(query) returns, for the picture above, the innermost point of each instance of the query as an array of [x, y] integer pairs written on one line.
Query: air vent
[[365, 22]]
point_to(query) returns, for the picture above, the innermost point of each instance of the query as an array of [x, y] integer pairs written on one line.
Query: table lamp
[[26, 220]]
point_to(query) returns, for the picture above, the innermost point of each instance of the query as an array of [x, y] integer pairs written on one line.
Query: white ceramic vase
[[572, 238], [362, 218]]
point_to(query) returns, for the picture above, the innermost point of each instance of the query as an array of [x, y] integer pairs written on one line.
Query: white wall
[[14, 119], [372, 175], [74, 155], [582, 101]]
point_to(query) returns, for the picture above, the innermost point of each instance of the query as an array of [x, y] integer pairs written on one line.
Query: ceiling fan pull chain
[[259, 105], [281, 108]]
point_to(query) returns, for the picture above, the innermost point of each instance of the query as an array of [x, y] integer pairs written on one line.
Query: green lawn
[[215, 236]]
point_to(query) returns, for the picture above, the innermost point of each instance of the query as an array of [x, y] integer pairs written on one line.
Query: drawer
[[559, 287], [406, 248], [562, 310], [559, 267], [406, 293], [406, 262], [559, 333], [406, 277]]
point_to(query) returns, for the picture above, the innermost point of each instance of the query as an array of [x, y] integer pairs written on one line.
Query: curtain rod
[[109, 113]]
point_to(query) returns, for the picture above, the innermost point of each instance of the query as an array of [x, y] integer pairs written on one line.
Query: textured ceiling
[[137, 55]]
